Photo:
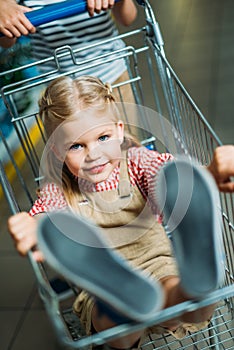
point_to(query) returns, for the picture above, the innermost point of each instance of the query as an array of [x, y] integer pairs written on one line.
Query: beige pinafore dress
[[130, 227]]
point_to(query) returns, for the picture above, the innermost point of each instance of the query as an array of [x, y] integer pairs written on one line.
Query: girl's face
[[90, 145]]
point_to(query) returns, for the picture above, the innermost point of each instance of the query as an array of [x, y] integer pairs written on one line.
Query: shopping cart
[[147, 65]]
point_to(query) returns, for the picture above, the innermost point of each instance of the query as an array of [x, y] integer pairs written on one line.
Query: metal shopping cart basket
[[147, 66]]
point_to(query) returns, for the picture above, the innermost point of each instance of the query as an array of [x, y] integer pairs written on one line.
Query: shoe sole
[[189, 200], [74, 247]]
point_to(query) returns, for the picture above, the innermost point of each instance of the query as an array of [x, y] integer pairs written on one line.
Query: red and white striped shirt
[[143, 166]]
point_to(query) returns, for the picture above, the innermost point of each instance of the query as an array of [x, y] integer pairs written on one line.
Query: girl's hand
[[99, 5], [13, 22], [222, 167], [23, 230]]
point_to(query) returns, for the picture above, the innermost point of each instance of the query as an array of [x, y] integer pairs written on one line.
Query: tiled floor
[[199, 37]]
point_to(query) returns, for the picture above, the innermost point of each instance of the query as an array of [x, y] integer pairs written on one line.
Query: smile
[[97, 169]]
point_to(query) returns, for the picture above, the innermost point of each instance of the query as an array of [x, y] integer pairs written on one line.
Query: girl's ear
[[120, 126]]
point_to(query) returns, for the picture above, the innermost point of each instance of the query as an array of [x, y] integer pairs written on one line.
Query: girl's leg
[[125, 92], [174, 294], [129, 111], [101, 321], [189, 200]]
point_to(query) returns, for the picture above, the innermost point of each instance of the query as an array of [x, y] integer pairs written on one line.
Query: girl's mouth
[[96, 169]]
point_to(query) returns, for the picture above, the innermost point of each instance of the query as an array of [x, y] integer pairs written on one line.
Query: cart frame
[[192, 130]]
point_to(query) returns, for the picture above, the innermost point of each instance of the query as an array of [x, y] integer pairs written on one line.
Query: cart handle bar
[[59, 10], [56, 11]]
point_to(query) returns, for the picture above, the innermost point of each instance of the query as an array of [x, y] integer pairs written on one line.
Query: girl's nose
[[93, 153]]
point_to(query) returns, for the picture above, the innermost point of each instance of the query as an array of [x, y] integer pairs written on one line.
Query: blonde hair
[[61, 101]]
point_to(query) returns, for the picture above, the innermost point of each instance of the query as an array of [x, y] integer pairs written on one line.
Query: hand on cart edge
[[23, 230], [13, 22], [222, 167]]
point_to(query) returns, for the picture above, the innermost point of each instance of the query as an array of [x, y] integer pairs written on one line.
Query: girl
[[93, 168]]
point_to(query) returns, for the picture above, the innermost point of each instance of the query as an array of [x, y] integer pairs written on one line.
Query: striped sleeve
[[51, 198]]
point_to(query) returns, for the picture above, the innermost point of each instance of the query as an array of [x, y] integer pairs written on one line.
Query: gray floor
[[199, 42]]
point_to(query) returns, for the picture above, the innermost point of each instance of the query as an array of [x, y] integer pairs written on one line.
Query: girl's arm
[[13, 22], [125, 12], [222, 167], [23, 229]]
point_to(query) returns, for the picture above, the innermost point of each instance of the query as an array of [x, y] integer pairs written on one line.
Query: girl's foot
[[189, 200], [75, 249]]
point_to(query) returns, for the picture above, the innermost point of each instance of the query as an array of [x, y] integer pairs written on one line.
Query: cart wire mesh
[[21, 153]]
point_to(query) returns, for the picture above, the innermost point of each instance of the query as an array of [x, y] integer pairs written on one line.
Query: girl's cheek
[[113, 147]]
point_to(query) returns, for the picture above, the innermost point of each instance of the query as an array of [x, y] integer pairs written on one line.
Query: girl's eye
[[75, 147], [104, 138]]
